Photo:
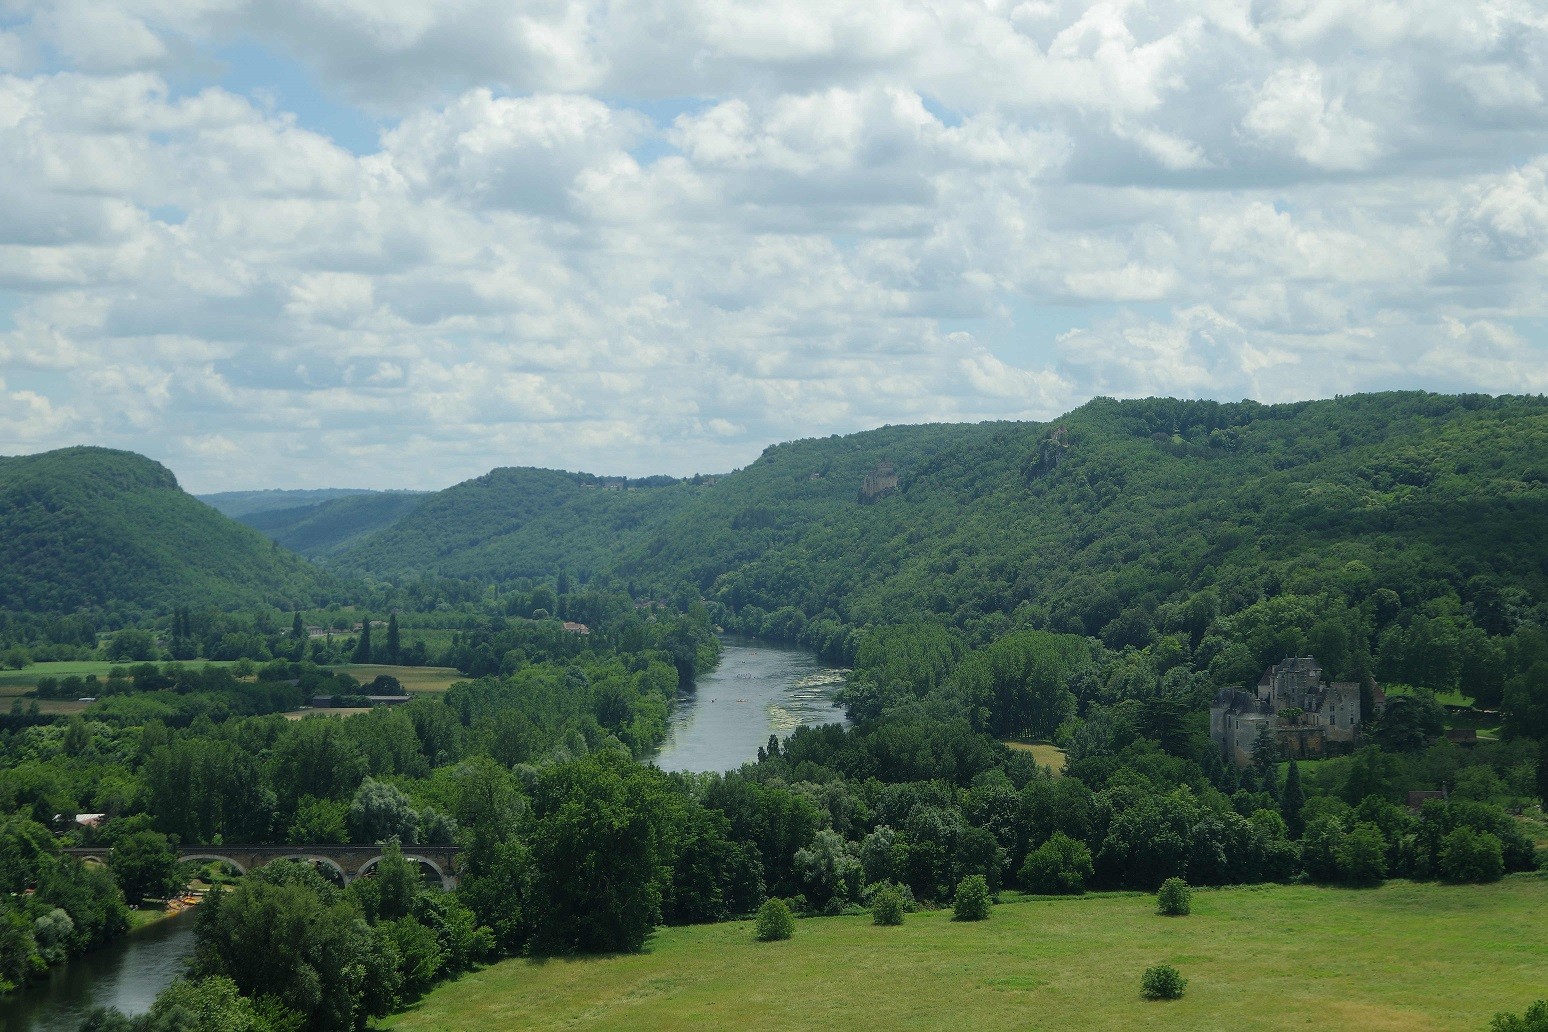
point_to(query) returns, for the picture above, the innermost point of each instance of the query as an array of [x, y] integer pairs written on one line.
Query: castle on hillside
[[1309, 716]]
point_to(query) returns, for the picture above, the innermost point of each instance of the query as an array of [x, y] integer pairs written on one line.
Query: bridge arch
[[319, 861], [215, 856], [424, 861]]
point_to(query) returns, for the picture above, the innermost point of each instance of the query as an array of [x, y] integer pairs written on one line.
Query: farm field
[[20, 682], [413, 679], [1408, 956], [326, 711], [14, 683]]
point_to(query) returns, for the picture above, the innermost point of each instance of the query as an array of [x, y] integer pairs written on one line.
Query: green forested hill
[[520, 522], [321, 528], [1125, 505], [1127, 521], [111, 531], [1122, 520], [1115, 504]]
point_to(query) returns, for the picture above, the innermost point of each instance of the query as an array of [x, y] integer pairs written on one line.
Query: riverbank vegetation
[[176, 753]]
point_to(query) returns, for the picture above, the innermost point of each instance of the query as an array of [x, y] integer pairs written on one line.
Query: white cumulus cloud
[[656, 236]]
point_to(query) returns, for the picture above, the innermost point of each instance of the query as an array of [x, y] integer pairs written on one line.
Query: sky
[[396, 243]]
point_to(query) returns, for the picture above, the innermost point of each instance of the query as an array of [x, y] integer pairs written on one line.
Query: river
[[126, 974], [758, 689]]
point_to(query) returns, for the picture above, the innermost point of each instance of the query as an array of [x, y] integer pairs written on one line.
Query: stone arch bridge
[[347, 862]]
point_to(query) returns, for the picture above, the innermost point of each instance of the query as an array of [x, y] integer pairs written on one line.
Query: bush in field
[[775, 921], [1471, 856], [1534, 1020], [1060, 866], [1362, 856], [971, 902], [1162, 982], [1174, 899], [887, 906]]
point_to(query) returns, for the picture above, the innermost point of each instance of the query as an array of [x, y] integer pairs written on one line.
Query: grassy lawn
[[414, 679], [1407, 957], [147, 914], [1486, 724], [1444, 698], [1306, 766], [1535, 823], [1046, 755]]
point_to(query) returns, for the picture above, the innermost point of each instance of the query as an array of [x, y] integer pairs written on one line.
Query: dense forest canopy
[[97, 530]]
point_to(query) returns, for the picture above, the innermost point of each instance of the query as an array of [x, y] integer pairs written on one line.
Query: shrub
[[1060, 866], [1174, 899], [1163, 982], [1534, 1020], [910, 904], [1362, 856], [775, 921], [971, 902], [1471, 856], [887, 906]]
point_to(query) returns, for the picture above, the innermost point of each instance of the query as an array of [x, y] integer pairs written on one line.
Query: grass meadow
[[413, 679], [1407, 957], [1044, 754]]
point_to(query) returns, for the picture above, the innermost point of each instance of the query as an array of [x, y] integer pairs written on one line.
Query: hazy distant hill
[[519, 522], [97, 529], [237, 504], [324, 527]]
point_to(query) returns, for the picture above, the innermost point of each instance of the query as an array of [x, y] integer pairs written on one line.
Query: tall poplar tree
[[1292, 800]]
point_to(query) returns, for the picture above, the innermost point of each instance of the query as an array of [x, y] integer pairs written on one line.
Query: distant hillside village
[[1293, 706]]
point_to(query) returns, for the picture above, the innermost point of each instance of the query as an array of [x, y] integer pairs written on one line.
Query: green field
[[1411, 957], [20, 682], [1044, 754], [15, 683], [1454, 698]]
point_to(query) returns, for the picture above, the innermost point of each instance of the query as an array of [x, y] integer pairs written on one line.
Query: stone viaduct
[[347, 862]]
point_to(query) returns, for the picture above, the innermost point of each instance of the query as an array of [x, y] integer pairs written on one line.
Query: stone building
[[1310, 717]]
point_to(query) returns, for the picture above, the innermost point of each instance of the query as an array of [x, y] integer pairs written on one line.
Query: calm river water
[[757, 690], [126, 974]]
